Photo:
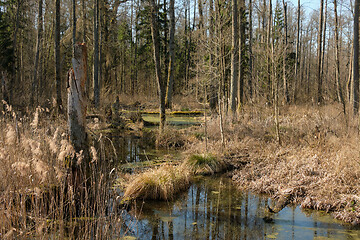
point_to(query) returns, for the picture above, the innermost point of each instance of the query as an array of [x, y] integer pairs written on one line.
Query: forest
[[116, 114]]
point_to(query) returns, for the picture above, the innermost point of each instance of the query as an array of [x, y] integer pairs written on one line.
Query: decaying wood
[[77, 99]]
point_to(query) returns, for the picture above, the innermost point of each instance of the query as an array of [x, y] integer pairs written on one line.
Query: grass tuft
[[205, 164], [159, 184]]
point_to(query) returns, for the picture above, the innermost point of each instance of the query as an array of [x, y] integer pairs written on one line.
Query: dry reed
[[36, 195]]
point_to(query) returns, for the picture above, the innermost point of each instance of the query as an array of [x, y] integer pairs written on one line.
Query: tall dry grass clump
[[36, 191], [162, 183]]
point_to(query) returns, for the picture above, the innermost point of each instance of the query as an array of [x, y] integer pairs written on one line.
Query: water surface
[[213, 209]]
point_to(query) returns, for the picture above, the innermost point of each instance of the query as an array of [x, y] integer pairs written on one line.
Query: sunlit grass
[[162, 183], [204, 164]]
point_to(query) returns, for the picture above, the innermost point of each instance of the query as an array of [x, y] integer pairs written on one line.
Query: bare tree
[[96, 55], [297, 51], [319, 53], [16, 30], [242, 45], [57, 56], [35, 82], [250, 77], [171, 54], [285, 82], [74, 24], [355, 85], [234, 56], [156, 54], [340, 94]]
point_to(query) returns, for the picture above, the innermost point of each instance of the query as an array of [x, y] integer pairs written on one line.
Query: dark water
[[213, 209]]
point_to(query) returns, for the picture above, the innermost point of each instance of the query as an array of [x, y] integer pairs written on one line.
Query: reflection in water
[[213, 209]]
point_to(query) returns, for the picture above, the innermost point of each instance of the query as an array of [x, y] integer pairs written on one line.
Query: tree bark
[[156, 55], [234, 57], [250, 52], [35, 82], [268, 41], [355, 84], [76, 113], [340, 94], [96, 55], [319, 54], [285, 82], [84, 20], [57, 57], [172, 54], [14, 78], [74, 24], [242, 23], [77, 102], [297, 52]]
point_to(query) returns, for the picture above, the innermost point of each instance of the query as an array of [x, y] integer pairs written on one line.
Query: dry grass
[[204, 164], [36, 194], [317, 164], [162, 183], [170, 138]]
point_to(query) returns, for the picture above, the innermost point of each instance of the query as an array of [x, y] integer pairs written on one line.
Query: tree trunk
[[96, 55], [268, 41], [172, 54], [250, 52], [15, 73], [319, 54], [340, 94], [84, 21], [77, 102], [77, 124], [297, 52], [57, 57], [285, 82], [355, 84], [234, 56], [212, 93], [156, 54], [242, 24], [324, 46], [74, 24], [35, 82]]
